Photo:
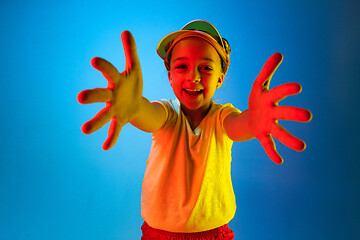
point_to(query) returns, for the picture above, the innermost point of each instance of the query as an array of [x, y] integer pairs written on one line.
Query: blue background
[[57, 183]]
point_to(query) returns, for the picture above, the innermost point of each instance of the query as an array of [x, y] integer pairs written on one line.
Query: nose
[[194, 76]]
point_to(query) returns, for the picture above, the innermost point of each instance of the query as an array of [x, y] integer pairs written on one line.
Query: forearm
[[237, 127], [150, 116]]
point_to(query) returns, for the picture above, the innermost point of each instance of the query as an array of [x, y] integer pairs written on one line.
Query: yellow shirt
[[187, 184]]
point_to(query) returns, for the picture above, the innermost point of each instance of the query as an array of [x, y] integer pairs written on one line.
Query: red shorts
[[220, 233]]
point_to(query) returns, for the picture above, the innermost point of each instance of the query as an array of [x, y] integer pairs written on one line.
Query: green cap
[[197, 28]]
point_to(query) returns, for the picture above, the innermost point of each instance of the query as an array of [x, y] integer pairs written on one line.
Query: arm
[[237, 126], [123, 97], [150, 117]]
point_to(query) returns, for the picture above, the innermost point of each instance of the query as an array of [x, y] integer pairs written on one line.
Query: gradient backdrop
[[57, 183]]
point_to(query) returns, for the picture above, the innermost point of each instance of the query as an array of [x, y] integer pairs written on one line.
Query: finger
[[99, 120], [263, 79], [282, 91], [113, 134], [287, 138], [292, 114], [269, 146], [131, 56], [94, 95], [106, 68]]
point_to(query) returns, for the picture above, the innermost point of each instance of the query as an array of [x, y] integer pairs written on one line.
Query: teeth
[[193, 91]]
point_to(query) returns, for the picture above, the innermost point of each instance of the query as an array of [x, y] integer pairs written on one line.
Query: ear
[[170, 79], [220, 80]]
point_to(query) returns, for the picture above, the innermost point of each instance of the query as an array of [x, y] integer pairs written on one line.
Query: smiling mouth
[[193, 92]]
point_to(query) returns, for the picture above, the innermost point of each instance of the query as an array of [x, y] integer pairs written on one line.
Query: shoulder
[[223, 110], [171, 107]]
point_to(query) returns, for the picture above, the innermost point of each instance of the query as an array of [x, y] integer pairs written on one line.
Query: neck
[[195, 117]]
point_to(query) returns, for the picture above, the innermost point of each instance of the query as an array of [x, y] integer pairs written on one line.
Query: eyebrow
[[184, 58]]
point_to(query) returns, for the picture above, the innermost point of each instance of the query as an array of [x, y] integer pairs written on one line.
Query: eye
[[181, 67], [206, 68]]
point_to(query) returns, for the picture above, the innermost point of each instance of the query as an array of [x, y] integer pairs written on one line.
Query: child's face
[[195, 73]]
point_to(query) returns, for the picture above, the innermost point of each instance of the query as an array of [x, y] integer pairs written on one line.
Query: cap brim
[[168, 42], [163, 45]]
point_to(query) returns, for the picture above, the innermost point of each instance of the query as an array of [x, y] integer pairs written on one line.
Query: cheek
[[176, 86], [175, 80], [210, 88]]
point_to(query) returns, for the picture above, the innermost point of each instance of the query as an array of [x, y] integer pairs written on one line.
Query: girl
[[187, 191]]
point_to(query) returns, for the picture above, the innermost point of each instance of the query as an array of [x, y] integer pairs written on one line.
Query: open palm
[[122, 95], [264, 111]]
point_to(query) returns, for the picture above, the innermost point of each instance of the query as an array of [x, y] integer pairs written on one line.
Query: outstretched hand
[[122, 94], [264, 111]]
